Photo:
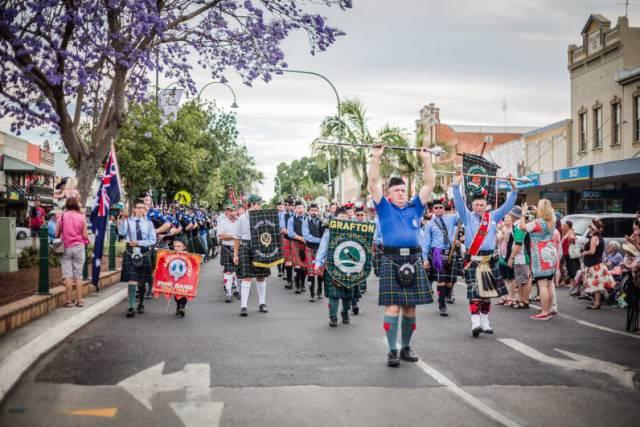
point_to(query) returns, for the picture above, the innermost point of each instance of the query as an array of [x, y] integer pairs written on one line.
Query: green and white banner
[[350, 252]]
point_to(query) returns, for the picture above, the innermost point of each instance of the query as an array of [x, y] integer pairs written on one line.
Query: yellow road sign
[[183, 197]]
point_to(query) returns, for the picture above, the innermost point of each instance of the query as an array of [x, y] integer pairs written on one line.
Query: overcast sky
[[463, 55]]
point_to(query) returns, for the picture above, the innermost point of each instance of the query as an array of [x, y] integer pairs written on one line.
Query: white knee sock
[[228, 280], [245, 289], [262, 292]]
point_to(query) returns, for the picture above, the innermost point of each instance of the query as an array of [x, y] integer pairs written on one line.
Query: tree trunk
[[86, 174]]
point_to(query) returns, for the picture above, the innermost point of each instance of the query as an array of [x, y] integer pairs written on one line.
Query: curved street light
[[235, 103], [335, 91]]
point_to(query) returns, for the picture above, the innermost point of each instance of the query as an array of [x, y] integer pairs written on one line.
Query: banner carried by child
[[177, 274]]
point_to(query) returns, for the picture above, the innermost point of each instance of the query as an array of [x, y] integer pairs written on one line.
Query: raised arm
[[499, 213], [375, 189], [458, 201], [429, 178]]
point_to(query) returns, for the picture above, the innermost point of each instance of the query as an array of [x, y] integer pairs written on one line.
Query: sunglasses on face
[[438, 207]]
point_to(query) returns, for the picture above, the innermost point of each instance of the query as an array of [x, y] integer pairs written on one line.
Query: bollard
[[43, 284], [113, 238], [85, 267]]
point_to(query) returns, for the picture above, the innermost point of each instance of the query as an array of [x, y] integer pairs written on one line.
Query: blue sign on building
[[574, 174]]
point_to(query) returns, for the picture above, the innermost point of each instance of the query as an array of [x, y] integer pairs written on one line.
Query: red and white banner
[[177, 274]]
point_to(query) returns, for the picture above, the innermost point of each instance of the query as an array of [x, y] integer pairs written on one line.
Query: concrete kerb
[[16, 364]]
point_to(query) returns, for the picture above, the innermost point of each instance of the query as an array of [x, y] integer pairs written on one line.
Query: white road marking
[[581, 322], [198, 409], [620, 373], [593, 325], [453, 388], [17, 363]]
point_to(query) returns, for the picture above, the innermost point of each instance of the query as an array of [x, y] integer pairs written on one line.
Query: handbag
[[574, 251], [57, 246]]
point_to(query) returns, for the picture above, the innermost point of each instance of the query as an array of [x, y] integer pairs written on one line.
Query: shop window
[[616, 120], [636, 118], [597, 127], [582, 121]]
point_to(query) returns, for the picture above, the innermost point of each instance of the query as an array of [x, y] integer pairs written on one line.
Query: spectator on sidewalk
[[596, 276], [72, 229], [52, 225], [36, 220]]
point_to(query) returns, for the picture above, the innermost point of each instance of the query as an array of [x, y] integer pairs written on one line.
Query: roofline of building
[[495, 129], [624, 77], [547, 128]]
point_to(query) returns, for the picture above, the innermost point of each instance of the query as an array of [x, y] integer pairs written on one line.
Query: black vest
[[297, 225], [316, 229]]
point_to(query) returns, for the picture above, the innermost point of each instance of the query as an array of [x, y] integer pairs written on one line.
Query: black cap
[[341, 210], [395, 181]]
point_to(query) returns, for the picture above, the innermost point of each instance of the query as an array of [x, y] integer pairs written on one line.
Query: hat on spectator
[[516, 212], [628, 247]]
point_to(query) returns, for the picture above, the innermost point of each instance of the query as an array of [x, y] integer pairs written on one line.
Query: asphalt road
[[288, 368]]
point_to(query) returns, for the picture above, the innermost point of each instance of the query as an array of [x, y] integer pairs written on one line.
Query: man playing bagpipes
[[440, 255], [294, 231], [312, 231], [480, 265]]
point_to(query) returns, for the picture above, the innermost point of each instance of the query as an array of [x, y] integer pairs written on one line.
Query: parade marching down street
[[321, 256]]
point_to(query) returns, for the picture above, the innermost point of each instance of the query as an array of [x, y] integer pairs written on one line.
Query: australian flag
[[109, 194]]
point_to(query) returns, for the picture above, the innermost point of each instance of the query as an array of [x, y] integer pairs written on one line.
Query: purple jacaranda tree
[[75, 65]]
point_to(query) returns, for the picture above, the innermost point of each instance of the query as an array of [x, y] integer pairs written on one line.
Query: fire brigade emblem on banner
[[349, 253]]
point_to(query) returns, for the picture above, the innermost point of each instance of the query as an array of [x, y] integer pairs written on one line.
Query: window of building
[[582, 121], [616, 121], [597, 127], [636, 118]]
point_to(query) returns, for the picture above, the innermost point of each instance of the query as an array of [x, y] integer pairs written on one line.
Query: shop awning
[[12, 164]]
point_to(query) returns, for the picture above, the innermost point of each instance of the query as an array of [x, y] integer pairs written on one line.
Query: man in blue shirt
[[480, 230], [439, 237], [287, 253], [140, 236], [403, 281]]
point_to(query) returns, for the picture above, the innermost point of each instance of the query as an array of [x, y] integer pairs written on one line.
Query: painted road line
[[620, 373], [19, 361], [593, 325], [453, 388], [95, 412]]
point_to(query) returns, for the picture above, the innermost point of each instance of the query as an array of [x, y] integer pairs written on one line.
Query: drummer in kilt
[[140, 236], [403, 281], [333, 290], [439, 238], [294, 230], [312, 231], [243, 259], [481, 270]]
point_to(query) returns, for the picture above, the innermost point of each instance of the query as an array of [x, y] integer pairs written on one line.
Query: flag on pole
[[109, 194]]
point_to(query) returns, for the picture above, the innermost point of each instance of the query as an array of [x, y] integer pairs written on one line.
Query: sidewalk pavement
[[22, 347]]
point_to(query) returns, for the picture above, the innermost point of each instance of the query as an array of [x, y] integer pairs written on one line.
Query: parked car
[[616, 226], [22, 233]]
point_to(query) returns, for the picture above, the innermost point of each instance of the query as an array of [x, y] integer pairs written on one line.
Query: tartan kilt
[[391, 293], [310, 257], [472, 284], [286, 250], [193, 243], [246, 269], [332, 290], [298, 248], [377, 260], [450, 272], [226, 259], [131, 273]]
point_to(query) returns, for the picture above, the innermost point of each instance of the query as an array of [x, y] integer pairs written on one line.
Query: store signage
[[574, 174], [601, 194], [555, 196]]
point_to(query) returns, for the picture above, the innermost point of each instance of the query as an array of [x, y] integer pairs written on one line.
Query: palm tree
[[352, 128]]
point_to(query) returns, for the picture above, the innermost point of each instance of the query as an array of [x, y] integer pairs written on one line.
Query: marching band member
[[286, 243], [312, 231], [226, 226], [294, 231]]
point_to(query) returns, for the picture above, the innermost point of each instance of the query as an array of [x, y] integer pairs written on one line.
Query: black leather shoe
[[288, 286], [297, 291], [408, 355], [476, 331], [333, 322], [345, 318], [392, 359], [356, 310], [263, 308], [131, 312], [244, 312], [148, 296], [319, 297], [228, 298], [181, 312], [443, 311], [312, 299], [140, 309], [451, 300]]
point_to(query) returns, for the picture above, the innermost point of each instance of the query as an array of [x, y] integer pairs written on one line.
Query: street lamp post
[[275, 178], [235, 103], [312, 73]]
